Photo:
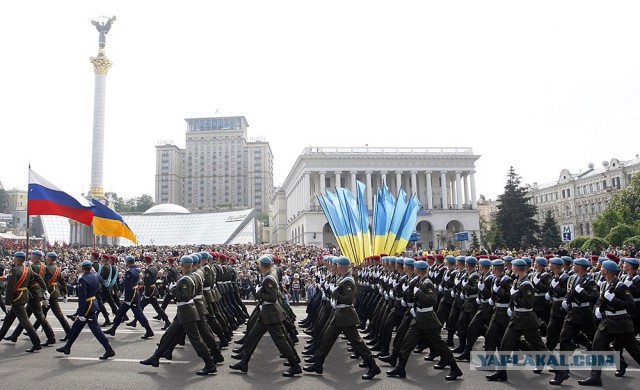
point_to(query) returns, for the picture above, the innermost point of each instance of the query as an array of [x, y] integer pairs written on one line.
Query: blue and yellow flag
[[407, 225], [396, 221], [107, 222], [364, 220]]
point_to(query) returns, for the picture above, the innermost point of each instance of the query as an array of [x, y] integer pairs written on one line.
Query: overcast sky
[[541, 85]]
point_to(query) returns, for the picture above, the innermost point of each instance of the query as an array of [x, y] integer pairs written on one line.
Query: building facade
[[578, 198], [220, 168], [443, 179]]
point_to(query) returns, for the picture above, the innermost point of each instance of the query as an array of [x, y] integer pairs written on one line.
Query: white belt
[[471, 296], [207, 288], [342, 306], [198, 297], [522, 309], [190, 301], [539, 294], [615, 313], [398, 299], [636, 299], [410, 304], [503, 305], [424, 309], [583, 304], [484, 301], [557, 299]]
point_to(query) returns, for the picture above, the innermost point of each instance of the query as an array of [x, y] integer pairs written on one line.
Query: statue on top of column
[[103, 25]]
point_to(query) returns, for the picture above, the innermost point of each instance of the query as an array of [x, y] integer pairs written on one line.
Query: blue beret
[[497, 262], [470, 260], [485, 262], [631, 260], [391, 259], [541, 260], [610, 266], [581, 261], [205, 255], [195, 258], [343, 260], [527, 259], [130, 259], [183, 259], [20, 254], [52, 254], [519, 262], [556, 260], [602, 259], [450, 259], [37, 253], [508, 258], [421, 264], [334, 259], [385, 259], [399, 260], [265, 259], [567, 259], [85, 263], [327, 258], [409, 262]]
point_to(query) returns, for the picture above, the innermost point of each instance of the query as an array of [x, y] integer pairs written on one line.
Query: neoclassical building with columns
[[443, 179]]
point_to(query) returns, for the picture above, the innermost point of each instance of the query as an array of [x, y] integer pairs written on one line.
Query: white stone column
[[458, 190], [369, 190], [337, 179], [429, 191], [306, 191], [465, 182], [353, 184], [398, 181], [452, 192], [101, 65], [472, 181], [443, 185], [383, 176], [322, 181], [414, 182]]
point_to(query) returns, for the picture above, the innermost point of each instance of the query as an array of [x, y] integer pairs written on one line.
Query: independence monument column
[[101, 65]]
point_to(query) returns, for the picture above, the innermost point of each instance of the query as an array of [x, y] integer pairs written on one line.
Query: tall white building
[[443, 179], [220, 168], [578, 198]]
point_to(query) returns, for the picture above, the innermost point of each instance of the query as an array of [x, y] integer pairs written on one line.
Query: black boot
[[498, 376], [111, 331], [560, 376], [390, 360], [449, 341], [106, 323], [209, 367], [316, 367], [49, 342], [166, 326], [593, 380], [168, 354], [465, 356], [34, 348], [217, 358], [431, 357], [373, 369], [237, 350], [242, 365], [66, 349], [623, 368], [148, 334], [108, 352], [153, 361], [294, 369], [399, 371], [455, 373], [132, 323], [65, 338], [13, 339]]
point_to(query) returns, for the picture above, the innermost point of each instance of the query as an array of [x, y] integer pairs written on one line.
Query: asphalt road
[[48, 369]]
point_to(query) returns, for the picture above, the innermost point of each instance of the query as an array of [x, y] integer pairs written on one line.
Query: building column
[[443, 185], [337, 179], [398, 181], [369, 190], [306, 191], [458, 190], [465, 182], [472, 181], [353, 184], [322, 181], [414, 182], [429, 192], [383, 178]]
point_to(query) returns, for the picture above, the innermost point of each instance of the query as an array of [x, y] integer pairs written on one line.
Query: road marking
[[121, 360]]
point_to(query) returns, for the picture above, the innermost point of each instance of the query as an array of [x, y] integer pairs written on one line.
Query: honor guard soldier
[[172, 277], [184, 323], [523, 321], [151, 292], [17, 295], [613, 306], [469, 295], [56, 286], [131, 300], [458, 301], [480, 321], [446, 299], [582, 292], [87, 312], [541, 281], [270, 320], [500, 300], [555, 295]]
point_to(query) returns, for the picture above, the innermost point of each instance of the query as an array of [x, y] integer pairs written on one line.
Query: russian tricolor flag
[[45, 198]]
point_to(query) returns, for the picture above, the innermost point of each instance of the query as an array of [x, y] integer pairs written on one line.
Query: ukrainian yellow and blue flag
[[107, 222]]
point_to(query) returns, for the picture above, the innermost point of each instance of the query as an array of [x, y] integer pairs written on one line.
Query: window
[[598, 186], [568, 193], [588, 230], [590, 188], [562, 194]]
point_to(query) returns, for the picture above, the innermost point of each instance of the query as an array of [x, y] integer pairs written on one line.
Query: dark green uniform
[[17, 295]]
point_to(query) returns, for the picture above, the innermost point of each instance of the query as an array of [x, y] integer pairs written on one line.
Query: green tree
[[475, 243], [118, 202], [626, 202], [515, 215], [606, 221], [490, 235], [550, 232], [594, 244], [144, 203], [618, 234], [635, 240], [4, 200], [578, 242]]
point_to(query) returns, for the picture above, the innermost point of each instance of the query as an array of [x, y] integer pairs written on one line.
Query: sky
[[540, 86]]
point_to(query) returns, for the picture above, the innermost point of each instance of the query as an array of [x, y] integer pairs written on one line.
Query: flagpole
[[94, 242], [28, 180]]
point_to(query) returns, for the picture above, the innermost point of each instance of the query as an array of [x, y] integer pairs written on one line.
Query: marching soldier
[[555, 295], [469, 296], [446, 299], [151, 292], [541, 281], [500, 300], [614, 303], [56, 285], [87, 312], [172, 278], [458, 302], [16, 297]]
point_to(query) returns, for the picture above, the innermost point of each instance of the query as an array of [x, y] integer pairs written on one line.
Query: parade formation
[[386, 308]]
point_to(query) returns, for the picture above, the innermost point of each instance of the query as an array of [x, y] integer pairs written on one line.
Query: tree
[[4, 200], [550, 232], [475, 243], [578, 242], [626, 202], [490, 234], [606, 221], [144, 203], [620, 233], [594, 245], [515, 215]]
